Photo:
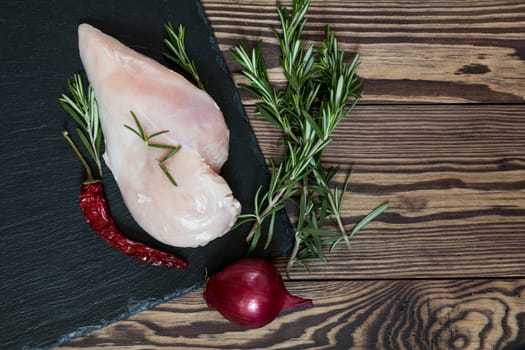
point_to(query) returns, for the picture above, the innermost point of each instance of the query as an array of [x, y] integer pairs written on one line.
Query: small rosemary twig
[[171, 150], [83, 108], [175, 43]]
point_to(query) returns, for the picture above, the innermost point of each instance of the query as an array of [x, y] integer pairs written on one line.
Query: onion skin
[[251, 293]]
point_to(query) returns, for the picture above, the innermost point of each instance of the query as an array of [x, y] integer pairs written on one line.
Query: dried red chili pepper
[[96, 213]]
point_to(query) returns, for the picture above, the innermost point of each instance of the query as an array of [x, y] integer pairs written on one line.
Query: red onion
[[250, 293]]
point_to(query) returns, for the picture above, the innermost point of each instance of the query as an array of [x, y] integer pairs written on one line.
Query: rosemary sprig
[[322, 89], [83, 108], [175, 43], [171, 150]]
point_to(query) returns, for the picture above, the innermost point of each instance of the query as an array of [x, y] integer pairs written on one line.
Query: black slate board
[[59, 279]]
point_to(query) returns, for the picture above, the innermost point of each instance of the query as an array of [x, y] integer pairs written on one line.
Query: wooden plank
[[403, 314], [422, 51], [454, 176]]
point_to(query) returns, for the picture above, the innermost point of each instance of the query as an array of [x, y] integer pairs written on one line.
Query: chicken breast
[[201, 207]]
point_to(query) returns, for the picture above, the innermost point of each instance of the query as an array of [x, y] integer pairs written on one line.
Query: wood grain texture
[[432, 314], [412, 51]]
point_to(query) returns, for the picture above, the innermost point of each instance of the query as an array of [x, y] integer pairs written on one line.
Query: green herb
[[83, 108], [175, 42], [321, 91], [171, 150]]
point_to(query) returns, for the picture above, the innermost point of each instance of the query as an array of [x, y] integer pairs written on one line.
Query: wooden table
[[440, 135]]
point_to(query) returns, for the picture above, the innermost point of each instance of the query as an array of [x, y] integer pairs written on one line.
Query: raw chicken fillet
[[201, 207]]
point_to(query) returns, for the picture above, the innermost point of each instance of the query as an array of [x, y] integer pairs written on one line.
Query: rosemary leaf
[[158, 133], [170, 154], [98, 141], [85, 142], [134, 131], [161, 145], [166, 172], [369, 217], [140, 130], [270, 230], [69, 106]]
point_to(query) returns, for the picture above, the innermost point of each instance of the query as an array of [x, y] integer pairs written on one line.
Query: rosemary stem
[[253, 230], [293, 254], [339, 221], [274, 200], [315, 148], [288, 132]]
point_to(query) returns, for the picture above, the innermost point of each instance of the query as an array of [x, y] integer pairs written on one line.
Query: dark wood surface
[[440, 135]]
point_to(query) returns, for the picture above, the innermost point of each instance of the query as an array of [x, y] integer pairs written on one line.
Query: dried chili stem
[[89, 173]]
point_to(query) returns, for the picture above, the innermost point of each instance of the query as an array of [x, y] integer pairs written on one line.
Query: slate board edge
[[134, 307]]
